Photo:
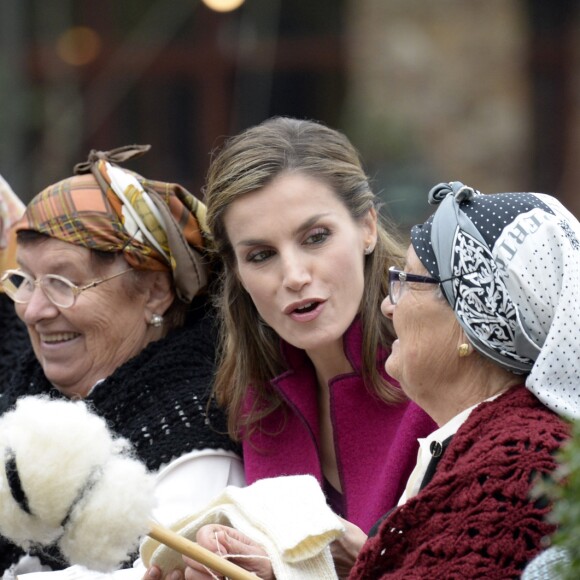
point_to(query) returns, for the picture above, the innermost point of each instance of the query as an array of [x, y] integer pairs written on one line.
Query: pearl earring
[[156, 320]]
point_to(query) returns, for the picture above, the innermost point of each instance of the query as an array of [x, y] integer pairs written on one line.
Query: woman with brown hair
[[305, 267]]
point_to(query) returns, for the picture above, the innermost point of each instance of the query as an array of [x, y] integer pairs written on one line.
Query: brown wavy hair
[[249, 349]]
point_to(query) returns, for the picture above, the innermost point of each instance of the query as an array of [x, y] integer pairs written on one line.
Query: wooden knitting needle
[[198, 553]]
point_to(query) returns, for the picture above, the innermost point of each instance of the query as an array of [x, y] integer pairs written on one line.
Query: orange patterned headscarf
[[156, 225], [11, 209]]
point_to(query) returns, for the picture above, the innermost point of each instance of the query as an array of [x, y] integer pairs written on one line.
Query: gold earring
[[464, 349]]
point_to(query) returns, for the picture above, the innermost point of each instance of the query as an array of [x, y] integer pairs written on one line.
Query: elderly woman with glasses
[[110, 283], [486, 314]]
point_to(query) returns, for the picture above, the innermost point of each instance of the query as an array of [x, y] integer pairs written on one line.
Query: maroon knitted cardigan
[[475, 518]]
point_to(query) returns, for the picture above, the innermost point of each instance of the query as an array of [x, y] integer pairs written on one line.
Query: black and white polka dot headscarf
[[510, 263]]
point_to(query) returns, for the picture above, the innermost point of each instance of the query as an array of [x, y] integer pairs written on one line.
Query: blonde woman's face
[[300, 256]]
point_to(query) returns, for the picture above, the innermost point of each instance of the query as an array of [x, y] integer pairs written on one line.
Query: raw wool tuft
[[84, 489], [106, 526], [44, 436]]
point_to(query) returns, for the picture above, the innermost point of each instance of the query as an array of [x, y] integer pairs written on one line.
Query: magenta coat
[[376, 443]]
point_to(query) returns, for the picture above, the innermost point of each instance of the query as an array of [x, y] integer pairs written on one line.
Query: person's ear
[[369, 224], [160, 294]]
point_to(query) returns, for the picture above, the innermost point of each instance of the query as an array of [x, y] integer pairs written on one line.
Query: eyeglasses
[[397, 279], [20, 287]]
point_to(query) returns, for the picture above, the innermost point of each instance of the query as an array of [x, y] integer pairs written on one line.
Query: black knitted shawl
[[13, 339], [158, 400]]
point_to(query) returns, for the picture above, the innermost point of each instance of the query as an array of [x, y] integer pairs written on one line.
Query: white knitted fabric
[[288, 516]]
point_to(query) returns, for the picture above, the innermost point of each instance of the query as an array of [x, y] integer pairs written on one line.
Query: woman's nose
[[39, 307], [387, 308], [295, 272]]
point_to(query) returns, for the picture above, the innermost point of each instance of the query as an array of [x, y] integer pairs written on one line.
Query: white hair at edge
[[78, 486]]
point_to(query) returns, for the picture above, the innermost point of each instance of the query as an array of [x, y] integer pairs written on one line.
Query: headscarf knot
[[459, 191], [118, 155]]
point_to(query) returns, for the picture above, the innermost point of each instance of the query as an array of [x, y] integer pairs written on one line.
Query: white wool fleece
[[72, 471]]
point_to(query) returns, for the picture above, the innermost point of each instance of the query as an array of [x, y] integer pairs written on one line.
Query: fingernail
[[176, 575], [154, 573]]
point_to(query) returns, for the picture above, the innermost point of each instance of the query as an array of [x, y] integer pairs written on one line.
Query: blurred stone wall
[[438, 91], [570, 189]]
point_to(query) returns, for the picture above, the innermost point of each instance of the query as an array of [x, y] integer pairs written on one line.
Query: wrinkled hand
[[346, 548], [221, 540]]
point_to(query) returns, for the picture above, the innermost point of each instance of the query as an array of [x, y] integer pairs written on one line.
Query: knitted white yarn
[[288, 516], [66, 456]]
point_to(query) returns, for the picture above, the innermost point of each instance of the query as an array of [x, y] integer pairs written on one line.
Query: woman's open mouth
[[307, 311], [306, 308]]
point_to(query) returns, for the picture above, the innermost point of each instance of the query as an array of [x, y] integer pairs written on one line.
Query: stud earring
[[156, 320], [369, 250], [464, 350]]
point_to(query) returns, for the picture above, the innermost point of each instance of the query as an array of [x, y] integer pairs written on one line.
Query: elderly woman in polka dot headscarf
[[487, 314]]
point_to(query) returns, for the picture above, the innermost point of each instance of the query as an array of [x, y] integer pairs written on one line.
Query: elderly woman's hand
[[222, 540], [346, 548]]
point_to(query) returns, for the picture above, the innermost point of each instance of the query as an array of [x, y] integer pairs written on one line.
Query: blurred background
[[482, 91]]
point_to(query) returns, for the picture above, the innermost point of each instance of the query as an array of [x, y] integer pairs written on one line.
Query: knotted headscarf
[[156, 225], [510, 266], [11, 210]]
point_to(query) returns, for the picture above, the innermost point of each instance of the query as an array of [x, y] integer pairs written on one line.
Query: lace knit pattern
[[157, 400], [475, 518]]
